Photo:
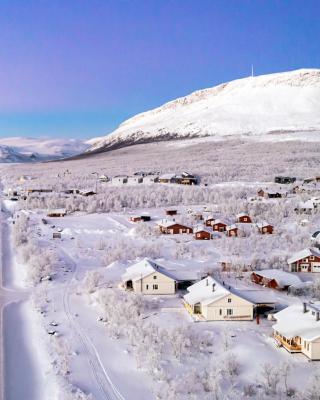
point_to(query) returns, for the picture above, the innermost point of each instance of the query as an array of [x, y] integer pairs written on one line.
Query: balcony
[[289, 345]]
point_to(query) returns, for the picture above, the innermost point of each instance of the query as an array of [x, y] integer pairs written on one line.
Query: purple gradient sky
[[79, 68]]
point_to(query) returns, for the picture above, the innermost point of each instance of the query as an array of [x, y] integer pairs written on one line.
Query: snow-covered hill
[[19, 149], [282, 102]]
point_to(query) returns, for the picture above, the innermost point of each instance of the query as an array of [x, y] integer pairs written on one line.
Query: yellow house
[[213, 302], [148, 277], [298, 329]]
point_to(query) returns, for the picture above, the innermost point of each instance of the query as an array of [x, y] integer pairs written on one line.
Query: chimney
[[304, 307], [317, 316], [213, 286]]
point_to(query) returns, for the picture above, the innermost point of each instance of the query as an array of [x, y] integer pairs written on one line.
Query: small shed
[[264, 228], [243, 218], [202, 233]]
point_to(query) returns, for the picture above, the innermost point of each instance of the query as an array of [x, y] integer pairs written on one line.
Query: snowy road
[[106, 387]]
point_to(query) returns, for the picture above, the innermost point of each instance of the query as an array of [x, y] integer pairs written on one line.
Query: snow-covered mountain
[[282, 102], [19, 149]]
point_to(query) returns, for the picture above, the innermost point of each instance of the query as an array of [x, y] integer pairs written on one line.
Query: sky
[[78, 68]]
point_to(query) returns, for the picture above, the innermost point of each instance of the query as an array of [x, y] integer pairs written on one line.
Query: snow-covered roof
[[167, 223], [292, 322], [306, 205], [242, 214], [231, 227], [303, 254], [281, 277], [167, 176], [57, 211], [219, 221], [205, 292], [201, 229], [263, 224], [256, 296], [144, 268]]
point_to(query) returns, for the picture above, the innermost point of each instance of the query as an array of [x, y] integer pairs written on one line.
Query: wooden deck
[[291, 347]]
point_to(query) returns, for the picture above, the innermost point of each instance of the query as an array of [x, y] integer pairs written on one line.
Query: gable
[[236, 301]]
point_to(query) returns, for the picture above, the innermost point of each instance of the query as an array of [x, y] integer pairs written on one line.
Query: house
[[264, 228], [209, 220], [87, 193], [173, 227], [187, 179], [149, 277], [271, 194], [211, 301], [298, 329], [275, 279], [135, 218], [171, 212], [57, 213], [149, 179], [284, 179], [219, 226], [134, 180], [167, 178], [232, 230], [202, 233], [119, 180], [307, 260], [103, 178], [243, 218]]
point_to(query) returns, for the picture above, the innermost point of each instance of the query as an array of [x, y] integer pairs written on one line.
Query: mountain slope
[[19, 149], [288, 101]]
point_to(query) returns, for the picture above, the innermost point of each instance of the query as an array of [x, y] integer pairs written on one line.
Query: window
[[147, 287], [220, 312], [245, 218], [154, 276], [311, 257], [229, 300], [229, 311], [155, 287]]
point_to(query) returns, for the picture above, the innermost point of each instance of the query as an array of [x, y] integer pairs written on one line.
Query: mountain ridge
[[285, 101]]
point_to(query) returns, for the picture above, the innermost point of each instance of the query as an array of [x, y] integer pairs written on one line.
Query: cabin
[[298, 329], [201, 233], [275, 279], [173, 228], [219, 226], [149, 277], [284, 179], [149, 179], [145, 218], [87, 193], [56, 235], [187, 179], [167, 178], [210, 301], [209, 220], [243, 218], [232, 231], [103, 178], [264, 228], [307, 260], [57, 213], [135, 218], [119, 180], [171, 212], [271, 194], [197, 216], [134, 180]]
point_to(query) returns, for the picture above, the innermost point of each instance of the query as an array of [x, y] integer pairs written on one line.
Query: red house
[[244, 218], [202, 234], [232, 231], [265, 228], [219, 226], [209, 220], [173, 228]]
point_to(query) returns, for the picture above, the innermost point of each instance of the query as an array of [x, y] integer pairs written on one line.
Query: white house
[[149, 179], [298, 329], [134, 180], [119, 180], [149, 277], [213, 302]]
